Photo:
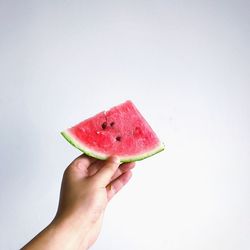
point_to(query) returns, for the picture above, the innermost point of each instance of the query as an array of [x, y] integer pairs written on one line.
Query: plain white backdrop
[[185, 64]]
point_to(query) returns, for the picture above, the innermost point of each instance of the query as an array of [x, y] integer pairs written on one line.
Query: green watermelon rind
[[79, 145]]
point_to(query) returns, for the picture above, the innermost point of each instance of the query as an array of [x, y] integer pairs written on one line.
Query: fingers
[[116, 185], [123, 168], [79, 166], [85, 160], [127, 166], [92, 170], [104, 175]]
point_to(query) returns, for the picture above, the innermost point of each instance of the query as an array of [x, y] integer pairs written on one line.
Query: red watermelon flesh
[[121, 131]]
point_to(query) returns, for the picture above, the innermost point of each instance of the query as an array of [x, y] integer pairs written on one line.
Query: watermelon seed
[[104, 125], [118, 138], [136, 131], [112, 124]]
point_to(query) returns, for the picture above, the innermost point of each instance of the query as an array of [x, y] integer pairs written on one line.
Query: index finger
[[84, 160]]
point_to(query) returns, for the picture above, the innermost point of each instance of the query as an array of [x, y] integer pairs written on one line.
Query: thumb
[[105, 174]]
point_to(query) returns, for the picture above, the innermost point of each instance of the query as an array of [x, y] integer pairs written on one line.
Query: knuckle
[[76, 164]]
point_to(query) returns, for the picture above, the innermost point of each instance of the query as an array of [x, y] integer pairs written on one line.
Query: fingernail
[[109, 187]]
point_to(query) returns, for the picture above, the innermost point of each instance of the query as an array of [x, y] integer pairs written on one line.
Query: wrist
[[69, 231], [60, 234]]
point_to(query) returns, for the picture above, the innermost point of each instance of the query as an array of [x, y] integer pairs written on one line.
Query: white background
[[185, 64]]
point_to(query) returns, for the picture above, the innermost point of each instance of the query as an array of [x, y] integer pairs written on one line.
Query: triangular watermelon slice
[[120, 131]]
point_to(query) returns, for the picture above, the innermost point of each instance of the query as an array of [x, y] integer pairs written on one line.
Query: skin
[[87, 187]]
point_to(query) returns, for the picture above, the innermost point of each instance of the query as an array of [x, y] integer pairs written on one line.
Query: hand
[[87, 187], [88, 184]]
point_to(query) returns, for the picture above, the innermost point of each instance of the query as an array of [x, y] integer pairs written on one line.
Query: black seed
[[118, 138], [104, 125], [112, 124], [137, 131]]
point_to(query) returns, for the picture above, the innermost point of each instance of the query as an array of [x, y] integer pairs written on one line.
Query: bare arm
[[87, 187]]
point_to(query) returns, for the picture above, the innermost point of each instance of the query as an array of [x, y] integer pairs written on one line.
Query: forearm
[[83, 199], [60, 234]]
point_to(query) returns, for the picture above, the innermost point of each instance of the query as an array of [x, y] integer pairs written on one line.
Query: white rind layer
[[90, 152]]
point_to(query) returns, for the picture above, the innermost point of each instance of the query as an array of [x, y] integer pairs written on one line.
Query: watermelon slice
[[120, 131]]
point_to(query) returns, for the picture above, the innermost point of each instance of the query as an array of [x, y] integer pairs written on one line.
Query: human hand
[[88, 185]]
